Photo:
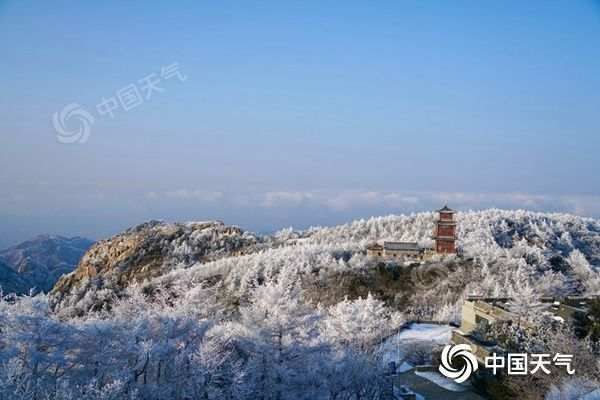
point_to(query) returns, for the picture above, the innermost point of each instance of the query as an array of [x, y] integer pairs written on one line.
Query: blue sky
[[298, 112]]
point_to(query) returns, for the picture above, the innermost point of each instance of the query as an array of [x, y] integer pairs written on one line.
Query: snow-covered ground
[[397, 348], [431, 332]]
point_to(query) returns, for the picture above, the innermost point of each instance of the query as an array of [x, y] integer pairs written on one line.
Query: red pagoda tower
[[444, 232]]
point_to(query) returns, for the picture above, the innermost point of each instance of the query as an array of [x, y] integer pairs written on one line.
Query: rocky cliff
[[150, 250]]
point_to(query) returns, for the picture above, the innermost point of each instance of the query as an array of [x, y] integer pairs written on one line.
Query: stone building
[[478, 312]]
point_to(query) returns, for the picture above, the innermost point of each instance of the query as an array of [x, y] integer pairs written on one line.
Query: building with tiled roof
[[444, 235]]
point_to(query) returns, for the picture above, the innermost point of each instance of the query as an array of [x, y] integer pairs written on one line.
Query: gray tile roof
[[402, 246]]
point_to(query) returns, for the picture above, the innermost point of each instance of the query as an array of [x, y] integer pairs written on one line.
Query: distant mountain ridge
[[12, 282], [38, 263]]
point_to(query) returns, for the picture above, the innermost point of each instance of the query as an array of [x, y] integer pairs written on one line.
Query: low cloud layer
[[392, 202], [186, 194]]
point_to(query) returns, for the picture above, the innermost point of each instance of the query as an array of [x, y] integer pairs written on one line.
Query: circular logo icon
[[460, 353], [81, 133]]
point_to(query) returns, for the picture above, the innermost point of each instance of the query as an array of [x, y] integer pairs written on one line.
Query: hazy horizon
[[271, 115], [276, 216]]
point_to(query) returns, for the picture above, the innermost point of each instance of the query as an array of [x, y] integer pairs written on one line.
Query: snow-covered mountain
[[558, 253], [38, 263], [204, 310], [150, 250]]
